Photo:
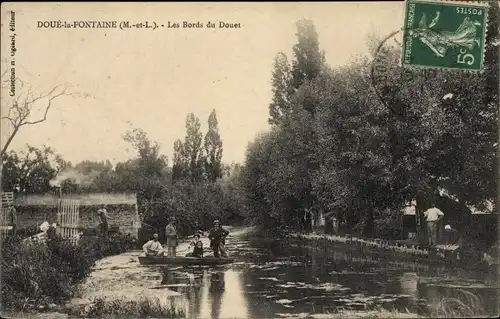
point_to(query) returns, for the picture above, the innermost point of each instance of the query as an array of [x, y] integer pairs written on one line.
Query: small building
[[318, 219], [32, 210]]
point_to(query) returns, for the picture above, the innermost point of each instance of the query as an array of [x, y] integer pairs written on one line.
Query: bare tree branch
[[19, 113], [49, 104]]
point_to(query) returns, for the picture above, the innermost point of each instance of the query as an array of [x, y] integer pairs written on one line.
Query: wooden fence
[[6, 214], [5, 222], [7, 199], [68, 220]]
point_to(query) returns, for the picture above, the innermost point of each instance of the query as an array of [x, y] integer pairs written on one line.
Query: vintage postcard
[[250, 160]]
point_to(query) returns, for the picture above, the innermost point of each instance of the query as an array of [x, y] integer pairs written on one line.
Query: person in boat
[[197, 245], [217, 236], [172, 238], [153, 247], [196, 239]]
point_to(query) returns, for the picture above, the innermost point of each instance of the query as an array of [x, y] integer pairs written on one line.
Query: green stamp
[[444, 35]]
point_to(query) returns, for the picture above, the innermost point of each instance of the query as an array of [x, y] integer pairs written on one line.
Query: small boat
[[163, 260]]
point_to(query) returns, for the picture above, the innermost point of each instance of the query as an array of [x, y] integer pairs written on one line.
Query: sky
[[151, 79]]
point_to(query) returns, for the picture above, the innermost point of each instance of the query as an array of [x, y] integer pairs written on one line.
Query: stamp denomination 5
[[444, 35]]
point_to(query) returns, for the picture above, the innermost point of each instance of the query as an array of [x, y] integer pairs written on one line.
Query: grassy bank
[[40, 276], [121, 308], [467, 306], [470, 256]]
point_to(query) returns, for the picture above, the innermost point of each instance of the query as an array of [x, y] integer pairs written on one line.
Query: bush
[[108, 246], [36, 274], [27, 231], [388, 226], [31, 276]]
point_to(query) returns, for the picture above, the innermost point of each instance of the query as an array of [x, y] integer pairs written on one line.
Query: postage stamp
[[444, 35]]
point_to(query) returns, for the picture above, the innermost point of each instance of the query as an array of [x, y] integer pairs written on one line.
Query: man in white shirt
[[153, 247], [432, 216]]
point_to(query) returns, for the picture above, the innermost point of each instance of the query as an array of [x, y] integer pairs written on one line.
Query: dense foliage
[[360, 148], [39, 274]]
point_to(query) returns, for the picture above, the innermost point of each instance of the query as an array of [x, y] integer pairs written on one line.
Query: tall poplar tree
[[213, 149]]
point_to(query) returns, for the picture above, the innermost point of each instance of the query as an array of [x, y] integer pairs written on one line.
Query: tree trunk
[[9, 140], [369, 225], [329, 225]]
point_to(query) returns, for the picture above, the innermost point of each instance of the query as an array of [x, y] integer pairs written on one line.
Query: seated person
[[153, 247], [197, 245], [453, 237], [453, 242]]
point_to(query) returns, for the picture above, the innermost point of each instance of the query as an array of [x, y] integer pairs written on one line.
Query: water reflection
[[234, 302], [216, 292], [409, 283], [209, 293], [268, 281]]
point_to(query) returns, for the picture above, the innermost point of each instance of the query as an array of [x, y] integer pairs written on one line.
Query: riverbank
[[397, 250], [42, 276], [124, 313]]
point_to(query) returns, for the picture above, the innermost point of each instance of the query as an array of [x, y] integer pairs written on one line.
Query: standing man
[[217, 236], [103, 218], [171, 236], [432, 216]]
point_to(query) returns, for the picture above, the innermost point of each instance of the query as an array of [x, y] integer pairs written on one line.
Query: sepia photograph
[[241, 160]]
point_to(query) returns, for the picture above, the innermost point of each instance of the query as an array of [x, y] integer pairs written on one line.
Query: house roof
[[410, 210], [93, 199]]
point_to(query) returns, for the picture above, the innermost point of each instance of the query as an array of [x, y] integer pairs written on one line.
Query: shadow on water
[[274, 278]]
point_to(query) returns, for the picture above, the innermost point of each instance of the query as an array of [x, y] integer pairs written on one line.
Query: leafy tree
[[181, 162], [213, 150], [444, 131], [309, 60], [30, 171], [255, 180], [290, 162], [151, 163], [282, 89], [354, 175], [192, 147]]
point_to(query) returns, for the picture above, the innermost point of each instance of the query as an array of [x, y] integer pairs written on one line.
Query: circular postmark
[[387, 75]]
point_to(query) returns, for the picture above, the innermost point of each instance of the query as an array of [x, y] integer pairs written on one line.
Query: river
[[275, 278]]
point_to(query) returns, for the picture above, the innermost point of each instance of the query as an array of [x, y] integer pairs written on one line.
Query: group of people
[[432, 217], [217, 236]]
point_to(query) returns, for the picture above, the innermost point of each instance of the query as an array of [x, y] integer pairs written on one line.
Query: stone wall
[[123, 216], [84, 199], [32, 210]]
